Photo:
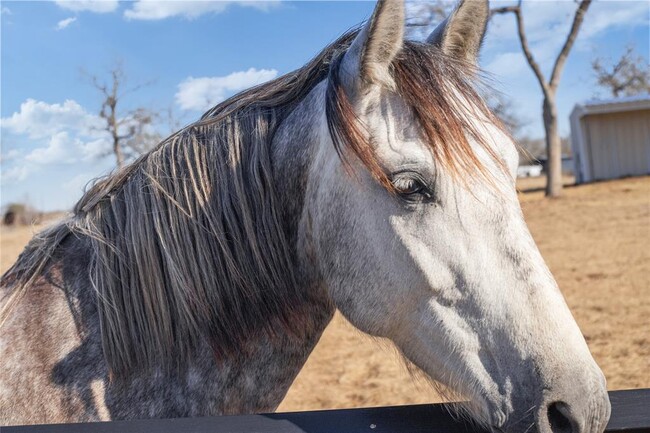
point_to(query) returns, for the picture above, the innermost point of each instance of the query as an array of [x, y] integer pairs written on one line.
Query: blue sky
[[197, 53]]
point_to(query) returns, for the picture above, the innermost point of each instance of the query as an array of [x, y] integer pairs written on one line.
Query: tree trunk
[[553, 147], [118, 152]]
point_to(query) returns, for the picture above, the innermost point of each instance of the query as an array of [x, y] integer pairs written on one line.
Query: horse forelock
[[444, 97]]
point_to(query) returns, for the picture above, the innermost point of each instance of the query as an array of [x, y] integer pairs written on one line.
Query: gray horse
[[197, 280]]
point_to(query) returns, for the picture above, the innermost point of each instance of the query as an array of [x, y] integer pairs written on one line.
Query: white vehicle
[[529, 170]]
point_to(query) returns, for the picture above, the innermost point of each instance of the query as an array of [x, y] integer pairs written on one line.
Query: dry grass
[[596, 241], [12, 241]]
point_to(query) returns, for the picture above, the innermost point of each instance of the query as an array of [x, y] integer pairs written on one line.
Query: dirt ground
[[595, 239]]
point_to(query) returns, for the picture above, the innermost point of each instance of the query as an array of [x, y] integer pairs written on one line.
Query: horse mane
[[187, 243]]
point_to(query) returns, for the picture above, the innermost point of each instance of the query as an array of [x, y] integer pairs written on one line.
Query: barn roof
[[603, 106]]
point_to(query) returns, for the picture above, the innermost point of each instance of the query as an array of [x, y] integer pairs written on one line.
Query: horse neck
[[278, 360], [293, 149]]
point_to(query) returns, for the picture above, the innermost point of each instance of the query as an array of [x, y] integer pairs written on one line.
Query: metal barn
[[611, 139]]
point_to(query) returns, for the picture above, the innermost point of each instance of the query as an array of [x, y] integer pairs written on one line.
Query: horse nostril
[[559, 418]]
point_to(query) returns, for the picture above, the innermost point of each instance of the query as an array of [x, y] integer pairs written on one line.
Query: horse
[[373, 180]]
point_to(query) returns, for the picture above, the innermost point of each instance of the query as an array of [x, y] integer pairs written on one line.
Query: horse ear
[[461, 34], [368, 59]]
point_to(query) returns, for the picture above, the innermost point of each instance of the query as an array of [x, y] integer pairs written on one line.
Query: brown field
[[596, 241]]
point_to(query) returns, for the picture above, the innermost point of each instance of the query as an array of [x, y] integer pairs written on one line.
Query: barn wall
[[618, 144]]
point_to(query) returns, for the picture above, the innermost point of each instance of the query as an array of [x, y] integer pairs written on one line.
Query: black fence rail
[[630, 413]]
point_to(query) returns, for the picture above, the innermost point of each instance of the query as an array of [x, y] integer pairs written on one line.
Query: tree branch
[[524, 43], [126, 136], [573, 34], [503, 10]]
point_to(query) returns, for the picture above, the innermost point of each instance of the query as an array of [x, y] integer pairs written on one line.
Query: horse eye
[[410, 187]]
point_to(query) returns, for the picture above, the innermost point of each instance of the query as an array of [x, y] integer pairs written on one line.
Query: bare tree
[[423, 16], [131, 133], [173, 120], [549, 89], [629, 76]]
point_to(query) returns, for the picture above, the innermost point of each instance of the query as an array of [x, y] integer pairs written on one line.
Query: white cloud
[[15, 174], [202, 93], [39, 119], [60, 150], [62, 133], [95, 149], [605, 15], [158, 10], [64, 149], [9, 155], [65, 23], [97, 6], [5, 11]]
